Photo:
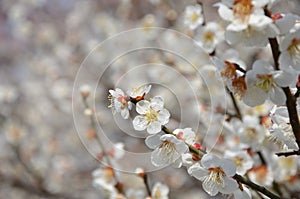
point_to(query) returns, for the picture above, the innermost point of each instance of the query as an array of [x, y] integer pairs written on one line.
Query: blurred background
[[42, 45]]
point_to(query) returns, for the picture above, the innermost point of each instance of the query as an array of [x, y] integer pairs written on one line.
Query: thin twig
[[237, 177], [118, 185], [289, 153], [256, 187], [235, 105]]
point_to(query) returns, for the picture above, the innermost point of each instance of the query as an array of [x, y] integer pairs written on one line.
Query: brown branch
[[237, 177], [256, 187], [118, 184], [289, 153], [235, 105], [291, 100]]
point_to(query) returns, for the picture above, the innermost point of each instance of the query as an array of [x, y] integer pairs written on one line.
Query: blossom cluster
[[258, 122]]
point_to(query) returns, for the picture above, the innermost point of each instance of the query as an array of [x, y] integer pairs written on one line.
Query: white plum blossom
[[120, 102], [160, 191], [167, 149], [228, 71], [248, 23], [215, 174], [152, 115], [193, 16], [290, 51], [281, 131], [251, 133], [103, 178], [285, 22], [209, 36], [263, 82], [85, 90], [251, 37], [139, 92], [242, 160], [187, 135]]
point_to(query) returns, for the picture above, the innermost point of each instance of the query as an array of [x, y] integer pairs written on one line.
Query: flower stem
[[256, 187], [102, 147]]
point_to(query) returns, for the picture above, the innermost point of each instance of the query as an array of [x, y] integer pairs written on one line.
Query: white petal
[[181, 147], [154, 127], [259, 21], [228, 167], [254, 96], [262, 67], [153, 141], [197, 171], [230, 186], [157, 103], [140, 123], [225, 12], [233, 37], [285, 60], [286, 78], [211, 189], [163, 116], [125, 113], [277, 96], [210, 161], [142, 106], [156, 158], [245, 194]]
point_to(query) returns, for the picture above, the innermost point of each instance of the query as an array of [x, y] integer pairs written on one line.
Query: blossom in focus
[[285, 22], [290, 51], [139, 92], [263, 82], [281, 131], [167, 149], [215, 174], [187, 135], [120, 102], [152, 115], [193, 16], [209, 36], [160, 191], [248, 22]]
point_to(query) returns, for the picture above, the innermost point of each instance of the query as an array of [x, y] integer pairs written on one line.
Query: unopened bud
[[85, 90], [140, 172]]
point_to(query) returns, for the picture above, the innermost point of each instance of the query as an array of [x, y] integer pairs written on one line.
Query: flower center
[[251, 133], [265, 82], [209, 37], [216, 176], [238, 161], [229, 70], [194, 17], [157, 193], [151, 115], [167, 149], [294, 49], [242, 9]]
